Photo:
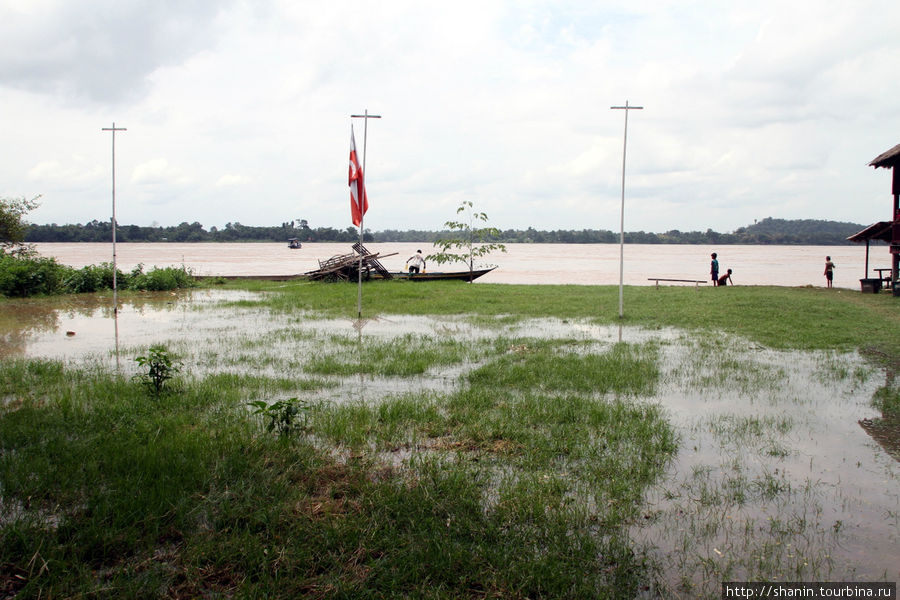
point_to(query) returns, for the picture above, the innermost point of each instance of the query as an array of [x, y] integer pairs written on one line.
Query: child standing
[[829, 271]]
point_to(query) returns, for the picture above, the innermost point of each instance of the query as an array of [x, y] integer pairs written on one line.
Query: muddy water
[[774, 466], [80, 327]]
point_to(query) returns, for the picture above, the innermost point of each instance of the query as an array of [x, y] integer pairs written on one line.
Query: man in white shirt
[[416, 262]]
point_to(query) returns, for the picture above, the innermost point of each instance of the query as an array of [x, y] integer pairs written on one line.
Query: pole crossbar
[[626, 108]]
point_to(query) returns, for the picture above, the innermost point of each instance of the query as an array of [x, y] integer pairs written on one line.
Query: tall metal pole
[[365, 116], [114, 129], [626, 108]]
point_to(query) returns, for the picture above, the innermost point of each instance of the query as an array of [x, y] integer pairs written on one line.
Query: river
[[582, 264]]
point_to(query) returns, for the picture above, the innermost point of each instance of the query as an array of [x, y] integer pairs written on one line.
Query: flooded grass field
[[779, 466]]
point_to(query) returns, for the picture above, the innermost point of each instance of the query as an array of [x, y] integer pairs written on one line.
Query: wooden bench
[[696, 282], [886, 281]]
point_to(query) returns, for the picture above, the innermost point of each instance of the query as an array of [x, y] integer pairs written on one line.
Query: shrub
[[22, 276], [159, 279], [94, 278], [26, 274]]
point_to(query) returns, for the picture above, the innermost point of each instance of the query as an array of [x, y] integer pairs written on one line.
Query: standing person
[[725, 279], [418, 262], [829, 271], [714, 269]]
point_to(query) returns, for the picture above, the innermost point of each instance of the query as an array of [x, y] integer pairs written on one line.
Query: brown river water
[[583, 264]]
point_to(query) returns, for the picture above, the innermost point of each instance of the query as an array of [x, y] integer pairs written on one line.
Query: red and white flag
[[359, 202]]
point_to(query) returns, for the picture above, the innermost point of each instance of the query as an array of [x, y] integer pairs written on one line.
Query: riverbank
[[458, 441]]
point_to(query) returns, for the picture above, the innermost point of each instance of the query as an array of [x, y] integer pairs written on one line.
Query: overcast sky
[[239, 111]]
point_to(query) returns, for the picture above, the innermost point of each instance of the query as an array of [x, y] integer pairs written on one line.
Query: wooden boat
[[441, 275], [294, 244]]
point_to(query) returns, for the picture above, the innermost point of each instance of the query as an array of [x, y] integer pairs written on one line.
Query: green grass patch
[[403, 356], [553, 365], [887, 400], [108, 491], [803, 318]]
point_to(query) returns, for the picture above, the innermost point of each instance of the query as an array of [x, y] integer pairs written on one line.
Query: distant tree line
[[767, 231], [101, 231]]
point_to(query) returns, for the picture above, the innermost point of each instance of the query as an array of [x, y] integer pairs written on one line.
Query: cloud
[[231, 180], [158, 172], [750, 109], [76, 172], [99, 51]]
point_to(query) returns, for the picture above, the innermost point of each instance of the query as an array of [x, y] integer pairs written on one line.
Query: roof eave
[[888, 159], [876, 231]]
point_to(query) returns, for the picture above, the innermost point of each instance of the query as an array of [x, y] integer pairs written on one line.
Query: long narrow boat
[[441, 275]]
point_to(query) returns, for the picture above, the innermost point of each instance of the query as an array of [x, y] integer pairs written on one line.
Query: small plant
[[160, 367], [473, 242], [285, 417]]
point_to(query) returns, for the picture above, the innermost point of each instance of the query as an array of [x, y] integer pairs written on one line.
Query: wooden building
[[887, 231]]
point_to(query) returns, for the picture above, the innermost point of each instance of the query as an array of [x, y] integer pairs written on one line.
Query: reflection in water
[[772, 470], [359, 324], [116, 320], [77, 326], [18, 322], [885, 431]]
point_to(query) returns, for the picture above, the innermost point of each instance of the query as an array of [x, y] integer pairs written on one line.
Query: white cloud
[[75, 172], [231, 180], [99, 51], [158, 172]]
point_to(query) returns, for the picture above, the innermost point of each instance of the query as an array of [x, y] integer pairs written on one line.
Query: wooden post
[[895, 227]]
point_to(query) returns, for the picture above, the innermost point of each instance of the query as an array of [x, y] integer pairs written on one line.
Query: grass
[[119, 494], [805, 318], [403, 356], [523, 479]]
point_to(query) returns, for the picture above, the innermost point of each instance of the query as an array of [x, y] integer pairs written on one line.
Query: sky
[[239, 111]]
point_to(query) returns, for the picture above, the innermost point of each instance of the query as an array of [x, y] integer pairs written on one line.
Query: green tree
[[12, 225], [467, 242]]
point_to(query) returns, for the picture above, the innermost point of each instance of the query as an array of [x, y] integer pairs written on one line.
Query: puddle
[[72, 328], [778, 467], [783, 461]]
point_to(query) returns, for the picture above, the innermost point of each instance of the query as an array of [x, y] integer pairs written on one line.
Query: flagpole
[[626, 108], [365, 116], [114, 129]]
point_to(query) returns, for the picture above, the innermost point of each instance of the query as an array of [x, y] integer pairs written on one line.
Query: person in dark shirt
[[829, 271]]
